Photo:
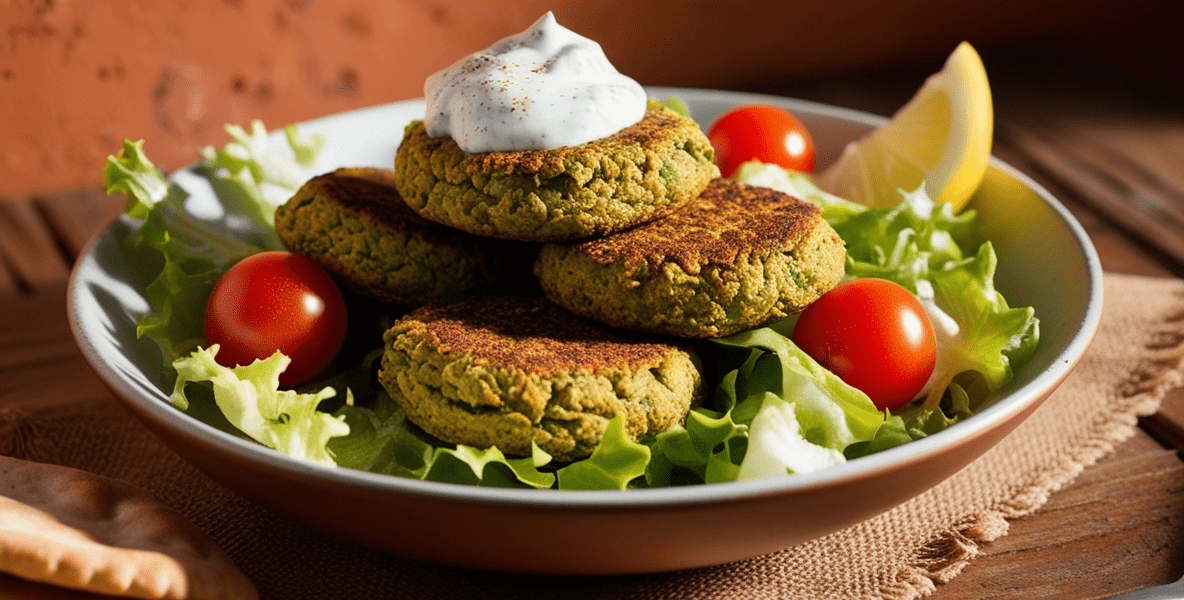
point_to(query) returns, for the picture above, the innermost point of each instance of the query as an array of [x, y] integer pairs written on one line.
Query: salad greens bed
[[774, 410]]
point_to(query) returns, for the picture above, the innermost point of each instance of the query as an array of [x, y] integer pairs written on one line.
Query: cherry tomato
[[277, 301], [874, 335], [761, 132]]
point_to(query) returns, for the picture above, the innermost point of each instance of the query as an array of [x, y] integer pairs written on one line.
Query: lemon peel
[[941, 137]]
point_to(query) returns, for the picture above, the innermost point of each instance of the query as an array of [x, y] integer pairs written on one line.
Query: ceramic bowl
[[1045, 261]]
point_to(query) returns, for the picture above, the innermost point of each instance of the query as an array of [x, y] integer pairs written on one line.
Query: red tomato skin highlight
[[761, 132], [874, 335], [277, 301]]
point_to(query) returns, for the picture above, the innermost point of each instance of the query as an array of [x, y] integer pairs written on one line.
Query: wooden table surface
[[1110, 147]]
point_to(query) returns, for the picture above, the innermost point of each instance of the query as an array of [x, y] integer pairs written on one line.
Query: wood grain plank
[[1118, 527], [1120, 250], [1167, 424], [1129, 204], [41, 367], [1158, 146], [28, 247], [8, 281], [40, 363], [1156, 185], [41, 331], [75, 216]]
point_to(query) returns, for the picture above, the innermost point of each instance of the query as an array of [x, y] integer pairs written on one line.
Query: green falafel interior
[[774, 409]]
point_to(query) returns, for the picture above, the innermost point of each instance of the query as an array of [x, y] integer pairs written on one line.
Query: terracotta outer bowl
[[1045, 260]]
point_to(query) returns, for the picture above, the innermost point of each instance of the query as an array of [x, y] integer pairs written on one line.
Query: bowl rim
[[160, 410]]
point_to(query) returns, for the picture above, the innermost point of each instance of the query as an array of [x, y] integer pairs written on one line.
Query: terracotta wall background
[[79, 76]]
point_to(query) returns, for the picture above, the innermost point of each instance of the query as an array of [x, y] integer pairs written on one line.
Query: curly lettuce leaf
[[253, 175], [250, 398], [902, 243], [779, 412], [835, 210], [382, 440], [776, 445], [197, 252], [906, 242], [976, 330], [613, 465], [892, 432], [919, 245], [832, 414], [954, 406], [675, 104], [131, 173], [489, 467], [915, 244], [708, 449]]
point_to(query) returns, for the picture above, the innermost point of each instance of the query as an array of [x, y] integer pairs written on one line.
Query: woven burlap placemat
[[904, 553]]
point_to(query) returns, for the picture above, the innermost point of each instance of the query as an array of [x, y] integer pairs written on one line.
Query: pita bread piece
[[78, 530]]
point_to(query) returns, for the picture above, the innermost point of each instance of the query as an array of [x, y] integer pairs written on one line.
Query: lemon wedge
[[941, 137]]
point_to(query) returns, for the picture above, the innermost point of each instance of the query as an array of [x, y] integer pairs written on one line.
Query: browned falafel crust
[[511, 372], [637, 174], [355, 225], [736, 257]]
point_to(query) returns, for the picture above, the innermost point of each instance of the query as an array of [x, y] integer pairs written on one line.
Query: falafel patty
[[508, 371], [737, 257], [635, 175], [355, 225]]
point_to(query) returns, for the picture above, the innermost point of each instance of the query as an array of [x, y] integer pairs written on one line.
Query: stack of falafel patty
[[637, 249]]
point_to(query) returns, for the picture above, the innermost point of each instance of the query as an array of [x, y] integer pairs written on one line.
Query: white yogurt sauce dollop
[[543, 88]]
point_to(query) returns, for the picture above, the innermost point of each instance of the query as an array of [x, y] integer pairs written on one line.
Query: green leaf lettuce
[[249, 396]]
